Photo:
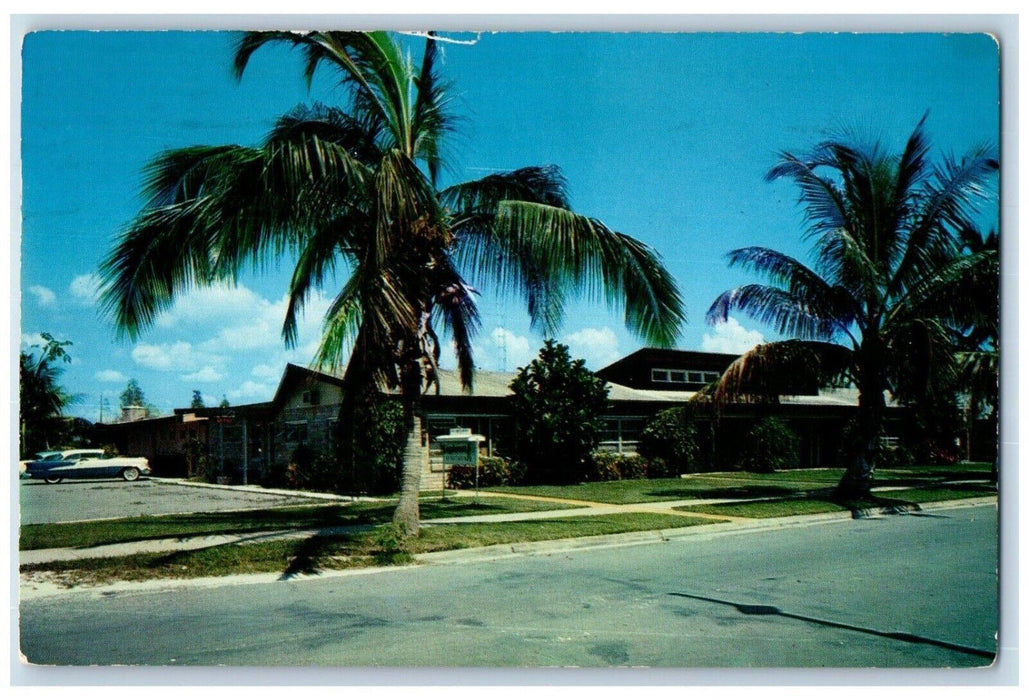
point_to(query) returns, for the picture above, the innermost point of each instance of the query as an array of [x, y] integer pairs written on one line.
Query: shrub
[[892, 457], [603, 466], [671, 436], [493, 471], [311, 471], [658, 468], [768, 446], [609, 466]]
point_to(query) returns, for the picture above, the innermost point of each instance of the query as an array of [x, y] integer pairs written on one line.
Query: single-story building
[[244, 441]]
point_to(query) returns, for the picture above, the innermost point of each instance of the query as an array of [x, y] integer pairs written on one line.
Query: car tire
[[52, 479], [130, 473]]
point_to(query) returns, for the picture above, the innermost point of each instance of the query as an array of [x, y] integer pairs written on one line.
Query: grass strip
[[742, 485], [314, 554], [779, 508], [99, 532]]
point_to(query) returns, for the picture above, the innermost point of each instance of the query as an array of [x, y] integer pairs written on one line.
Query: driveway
[[97, 499]]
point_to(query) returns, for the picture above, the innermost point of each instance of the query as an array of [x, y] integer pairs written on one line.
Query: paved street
[[900, 591], [90, 499]]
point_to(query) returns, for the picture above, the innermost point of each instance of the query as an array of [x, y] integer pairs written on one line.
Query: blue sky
[[666, 137]]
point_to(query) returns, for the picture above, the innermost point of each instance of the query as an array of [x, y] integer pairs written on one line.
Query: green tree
[[132, 395], [671, 435], [198, 400], [557, 407], [42, 398], [357, 189], [979, 330], [885, 234]]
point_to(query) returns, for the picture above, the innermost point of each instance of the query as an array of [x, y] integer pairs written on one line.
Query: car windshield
[[53, 457]]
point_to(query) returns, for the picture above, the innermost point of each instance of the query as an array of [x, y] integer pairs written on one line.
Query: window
[[659, 375], [295, 432], [311, 397], [680, 376]]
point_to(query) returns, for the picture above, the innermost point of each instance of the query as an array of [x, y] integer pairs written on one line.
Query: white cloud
[[598, 346], [207, 374], [85, 288], [44, 296], [268, 372], [731, 337], [504, 351], [251, 390], [110, 375], [30, 339], [179, 356], [223, 319]]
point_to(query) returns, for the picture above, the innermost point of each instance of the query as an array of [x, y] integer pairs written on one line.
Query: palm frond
[[581, 255], [782, 368]]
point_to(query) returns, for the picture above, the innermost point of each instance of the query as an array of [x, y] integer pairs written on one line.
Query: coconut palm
[[885, 240], [355, 191], [42, 399]]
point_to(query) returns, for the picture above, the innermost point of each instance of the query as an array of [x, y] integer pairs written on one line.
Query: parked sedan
[[86, 464]]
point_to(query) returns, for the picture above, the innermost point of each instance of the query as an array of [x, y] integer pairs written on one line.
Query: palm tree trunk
[[859, 454], [407, 513]]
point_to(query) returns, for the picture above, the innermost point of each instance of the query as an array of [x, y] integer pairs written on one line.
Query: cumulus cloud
[[267, 372], [207, 374], [236, 318], [179, 356], [504, 350], [253, 391], [85, 288], [44, 296], [110, 375], [731, 337], [598, 346], [30, 339]]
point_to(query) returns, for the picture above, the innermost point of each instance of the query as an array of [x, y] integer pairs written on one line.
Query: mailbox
[[460, 447]]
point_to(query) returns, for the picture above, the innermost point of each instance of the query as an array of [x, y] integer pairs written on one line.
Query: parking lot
[[95, 499]]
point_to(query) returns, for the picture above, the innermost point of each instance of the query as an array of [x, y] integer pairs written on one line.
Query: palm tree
[[884, 232], [357, 188], [42, 398]]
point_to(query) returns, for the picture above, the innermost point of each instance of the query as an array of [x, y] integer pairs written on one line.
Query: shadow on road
[[747, 609]]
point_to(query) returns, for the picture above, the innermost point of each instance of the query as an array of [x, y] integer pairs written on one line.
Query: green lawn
[[778, 508], [100, 532], [359, 549], [741, 485]]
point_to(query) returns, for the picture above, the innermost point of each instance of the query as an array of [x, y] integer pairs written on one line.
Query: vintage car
[[86, 464], [23, 465]]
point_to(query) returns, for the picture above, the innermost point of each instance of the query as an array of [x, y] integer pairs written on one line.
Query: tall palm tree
[[357, 188], [884, 230]]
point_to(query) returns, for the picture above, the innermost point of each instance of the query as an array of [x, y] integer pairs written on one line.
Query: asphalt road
[[893, 592], [91, 499]]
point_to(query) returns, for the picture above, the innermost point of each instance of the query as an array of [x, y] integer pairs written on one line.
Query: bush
[[768, 446], [671, 436], [603, 466], [493, 471], [893, 457], [610, 466], [658, 468], [311, 471]]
